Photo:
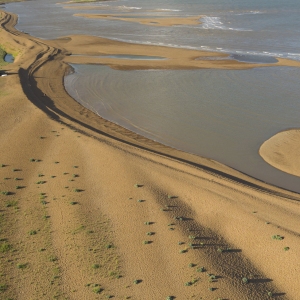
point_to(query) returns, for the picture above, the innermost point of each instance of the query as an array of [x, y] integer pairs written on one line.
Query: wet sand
[[87, 192]]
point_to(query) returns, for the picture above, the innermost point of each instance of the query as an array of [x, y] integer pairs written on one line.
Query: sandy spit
[[90, 210], [282, 151]]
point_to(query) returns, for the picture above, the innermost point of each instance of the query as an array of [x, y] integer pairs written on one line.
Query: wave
[[167, 9], [216, 23], [251, 12], [128, 7]]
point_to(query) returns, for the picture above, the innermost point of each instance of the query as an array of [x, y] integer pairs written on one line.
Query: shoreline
[[49, 125]]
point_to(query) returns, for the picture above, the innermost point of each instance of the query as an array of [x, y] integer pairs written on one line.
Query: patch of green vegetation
[[2, 55], [3, 288], [5, 247]]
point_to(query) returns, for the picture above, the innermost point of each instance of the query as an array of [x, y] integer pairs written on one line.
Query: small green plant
[[2, 165], [136, 281], [5, 247], [21, 266], [109, 246], [12, 203], [5, 193], [146, 242], [95, 266], [188, 283], [183, 251], [277, 237], [270, 294], [32, 232], [201, 269], [32, 160], [150, 233], [18, 187], [286, 248], [147, 223], [3, 288], [77, 190], [137, 185], [97, 290], [191, 265], [220, 250], [73, 203], [245, 280], [180, 243], [53, 258], [40, 182], [170, 298]]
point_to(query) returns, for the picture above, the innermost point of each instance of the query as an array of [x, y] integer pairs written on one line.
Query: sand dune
[[90, 210]]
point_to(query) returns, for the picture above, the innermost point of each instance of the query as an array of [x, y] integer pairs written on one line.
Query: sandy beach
[[90, 210]]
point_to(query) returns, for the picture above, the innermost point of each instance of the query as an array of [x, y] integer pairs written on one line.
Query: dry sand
[[73, 222], [282, 151]]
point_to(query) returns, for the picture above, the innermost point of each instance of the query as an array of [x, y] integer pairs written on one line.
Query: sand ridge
[[99, 209]]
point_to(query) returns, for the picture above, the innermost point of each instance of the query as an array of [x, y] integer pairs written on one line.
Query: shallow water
[[221, 114]]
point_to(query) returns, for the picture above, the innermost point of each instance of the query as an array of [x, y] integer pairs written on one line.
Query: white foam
[[167, 9], [216, 23]]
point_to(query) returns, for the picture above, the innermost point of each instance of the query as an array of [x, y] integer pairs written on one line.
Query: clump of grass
[[138, 185], [32, 232], [77, 190], [245, 280], [3, 288], [40, 182], [270, 294], [53, 258], [170, 298], [180, 243], [183, 251], [2, 166], [109, 246], [40, 175], [5, 247], [277, 237], [97, 290], [147, 223], [136, 281], [12, 203], [188, 283], [286, 248], [18, 187], [22, 266], [73, 203], [191, 265], [5, 193], [201, 270], [146, 242], [95, 266], [150, 233], [220, 250]]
